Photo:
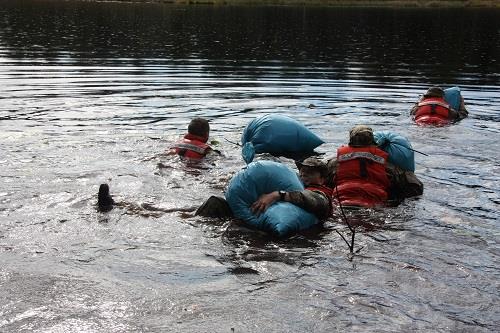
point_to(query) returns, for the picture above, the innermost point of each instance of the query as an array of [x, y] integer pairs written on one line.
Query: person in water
[[194, 144], [361, 176], [316, 198], [433, 109]]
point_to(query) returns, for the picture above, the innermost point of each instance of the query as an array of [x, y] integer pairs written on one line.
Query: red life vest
[[433, 111], [361, 179], [191, 146], [321, 188]]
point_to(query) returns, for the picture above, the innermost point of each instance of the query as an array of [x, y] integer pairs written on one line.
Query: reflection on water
[[94, 92]]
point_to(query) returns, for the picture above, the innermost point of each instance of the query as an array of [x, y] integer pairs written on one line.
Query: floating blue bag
[[277, 134], [398, 147], [453, 97], [263, 177]]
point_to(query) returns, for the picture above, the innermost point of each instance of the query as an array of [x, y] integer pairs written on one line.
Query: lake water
[[93, 92]]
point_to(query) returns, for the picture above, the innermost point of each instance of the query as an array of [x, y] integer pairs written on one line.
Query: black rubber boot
[[215, 207], [104, 200]]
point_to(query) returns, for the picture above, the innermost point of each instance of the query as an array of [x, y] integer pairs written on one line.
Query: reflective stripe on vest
[[435, 107], [361, 177], [190, 146], [443, 104], [361, 154]]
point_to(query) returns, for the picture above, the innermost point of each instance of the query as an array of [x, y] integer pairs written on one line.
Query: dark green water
[[91, 92]]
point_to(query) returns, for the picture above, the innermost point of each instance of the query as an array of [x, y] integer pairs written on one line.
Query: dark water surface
[[92, 92]]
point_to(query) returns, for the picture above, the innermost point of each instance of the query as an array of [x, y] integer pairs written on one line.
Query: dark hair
[[434, 92], [199, 127]]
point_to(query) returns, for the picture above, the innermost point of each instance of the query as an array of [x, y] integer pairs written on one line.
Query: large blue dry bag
[[453, 97], [277, 134], [262, 177], [398, 147]]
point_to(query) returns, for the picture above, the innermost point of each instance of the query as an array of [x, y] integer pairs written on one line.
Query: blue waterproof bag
[[263, 177], [277, 134], [398, 147], [453, 97]]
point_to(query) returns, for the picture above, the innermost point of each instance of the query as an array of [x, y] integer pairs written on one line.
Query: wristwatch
[[282, 195]]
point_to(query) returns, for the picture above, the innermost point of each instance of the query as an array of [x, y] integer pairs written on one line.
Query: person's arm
[[404, 184], [313, 202], [332, 171], [414, 109], [462, 111], [211, 151], [453, 114]]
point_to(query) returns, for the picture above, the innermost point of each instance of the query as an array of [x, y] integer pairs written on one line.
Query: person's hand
[[264, 202]]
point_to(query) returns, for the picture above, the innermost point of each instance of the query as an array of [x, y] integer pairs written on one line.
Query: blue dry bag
[[398, 147], [453, 97], [263, 177], [277, 134]]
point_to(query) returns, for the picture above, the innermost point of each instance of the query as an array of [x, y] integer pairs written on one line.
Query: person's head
[[312, 171], [361, 136], [436, 92], [199, 127]]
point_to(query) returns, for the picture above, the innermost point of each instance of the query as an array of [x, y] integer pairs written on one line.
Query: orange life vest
[[191, 146], [321, 188], [433, 111], [361, 179]]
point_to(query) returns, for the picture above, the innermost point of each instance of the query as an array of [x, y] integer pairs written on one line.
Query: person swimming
[[436, 107], [194, 144], [361, 175]]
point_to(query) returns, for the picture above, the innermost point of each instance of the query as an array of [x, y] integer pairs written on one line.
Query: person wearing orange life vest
[[432, 109], [361, 176], [194, 144]]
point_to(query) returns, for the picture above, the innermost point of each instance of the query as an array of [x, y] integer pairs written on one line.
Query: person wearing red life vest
[[432, 109], [194, 144], [361, 176]]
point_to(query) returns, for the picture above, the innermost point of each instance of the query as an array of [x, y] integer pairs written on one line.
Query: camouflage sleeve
[[314, 202], [404, 184], [453, 115], [462, 111], [332, 171], [414, 109]]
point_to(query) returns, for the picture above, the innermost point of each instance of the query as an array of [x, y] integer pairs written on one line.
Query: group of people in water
[[359, 176]]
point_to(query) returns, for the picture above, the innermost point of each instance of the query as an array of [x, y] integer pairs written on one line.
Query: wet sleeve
[[314, 202], [462, 111], [454, 115], [413, 186], [414, 109], [211, 151], [404, 184], [332, 171]]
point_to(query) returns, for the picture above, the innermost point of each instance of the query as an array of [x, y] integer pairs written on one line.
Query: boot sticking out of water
[[104, 200]]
